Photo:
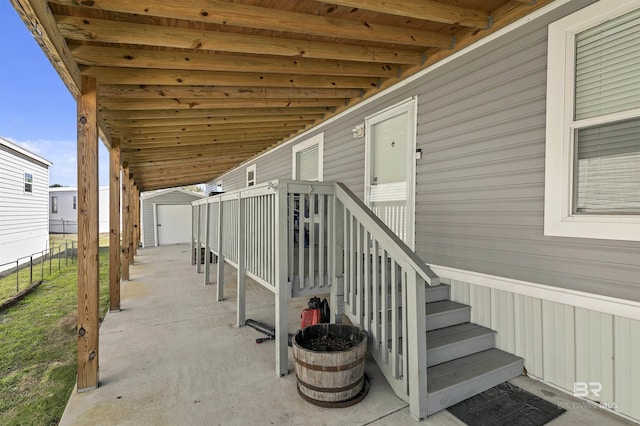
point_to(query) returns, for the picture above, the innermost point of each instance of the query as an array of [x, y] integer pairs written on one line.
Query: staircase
[[461, 358], [300, 239]]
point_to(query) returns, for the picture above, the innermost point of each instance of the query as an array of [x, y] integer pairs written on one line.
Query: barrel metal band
[[330, 390], [328, 368]]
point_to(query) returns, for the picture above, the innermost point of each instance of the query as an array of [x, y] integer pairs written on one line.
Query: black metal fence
[[57, 226], [22, 273]]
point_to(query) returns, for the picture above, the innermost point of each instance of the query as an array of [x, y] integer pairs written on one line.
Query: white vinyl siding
[[24, 225]]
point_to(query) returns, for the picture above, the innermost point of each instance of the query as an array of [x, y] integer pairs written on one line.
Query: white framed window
[[75, 202], [28, 183], [308, 159], [592, 153], [251, 175], [54, 204]]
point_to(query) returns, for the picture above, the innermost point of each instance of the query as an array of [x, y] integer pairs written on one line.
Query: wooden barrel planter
[[328, 374]]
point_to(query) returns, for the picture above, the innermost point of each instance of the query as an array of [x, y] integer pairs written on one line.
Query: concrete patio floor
[[174, 356]]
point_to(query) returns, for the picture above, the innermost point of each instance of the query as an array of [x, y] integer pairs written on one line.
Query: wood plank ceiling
[[193, 88]]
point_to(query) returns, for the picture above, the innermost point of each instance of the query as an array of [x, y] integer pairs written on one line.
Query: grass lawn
[[38, 348]]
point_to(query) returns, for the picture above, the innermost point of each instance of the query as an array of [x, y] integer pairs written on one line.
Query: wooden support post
[[126, 224], [114, 225], [242, 263], [88, 278]]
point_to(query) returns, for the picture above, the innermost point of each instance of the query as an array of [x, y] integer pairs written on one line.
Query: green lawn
[[38, 348]]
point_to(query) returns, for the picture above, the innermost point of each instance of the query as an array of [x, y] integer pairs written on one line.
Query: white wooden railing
[[308, 238]]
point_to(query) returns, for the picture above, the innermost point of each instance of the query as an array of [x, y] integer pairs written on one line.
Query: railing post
[[337, 264], [220, 271], [283, 290], [207, 249], [198, 242], [242, 263], [193, 233], [417, 348]]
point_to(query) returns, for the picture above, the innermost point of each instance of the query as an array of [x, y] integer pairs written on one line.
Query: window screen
[[608, 67], [307, 163], [607, 155]]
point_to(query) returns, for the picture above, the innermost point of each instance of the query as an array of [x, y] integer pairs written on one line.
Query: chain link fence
[[18, 276], [57, 226]]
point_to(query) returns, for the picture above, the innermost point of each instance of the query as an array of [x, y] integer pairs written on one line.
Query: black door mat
[[505, 404]]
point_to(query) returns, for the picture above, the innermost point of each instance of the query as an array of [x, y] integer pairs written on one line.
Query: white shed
[[24, 202], [166, 217], [63, 213]]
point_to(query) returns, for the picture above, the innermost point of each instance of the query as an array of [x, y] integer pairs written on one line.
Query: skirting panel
[[571, 347]]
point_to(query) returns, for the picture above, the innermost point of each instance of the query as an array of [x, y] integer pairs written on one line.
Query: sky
[[37, 111]]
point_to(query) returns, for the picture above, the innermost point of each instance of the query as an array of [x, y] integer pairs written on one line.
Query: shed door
[[390, 168], [174, 224]]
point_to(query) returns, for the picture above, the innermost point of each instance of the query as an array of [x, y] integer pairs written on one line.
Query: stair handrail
[[393, 243]]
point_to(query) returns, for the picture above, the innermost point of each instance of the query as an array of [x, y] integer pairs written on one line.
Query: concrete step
[[454, 381], [438, 293], [449, 343], [446, 313]]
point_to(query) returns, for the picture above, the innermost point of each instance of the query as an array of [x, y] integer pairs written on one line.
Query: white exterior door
[[390, 168], [173, 224]]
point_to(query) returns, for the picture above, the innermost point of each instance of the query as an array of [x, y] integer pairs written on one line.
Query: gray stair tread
[[439, 307], [455, 334], [470, 367], [438, 292]]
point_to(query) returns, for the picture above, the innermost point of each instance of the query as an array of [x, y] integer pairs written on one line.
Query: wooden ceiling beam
[[115, 91], [234, 14], [158, 165], [198, 103], [179, 152], [427, 10], [214, 121], [162, 183], [194, 140], [119, 32], [177, 114], [212, 129], [205, 61], [108, 75], [213, 138]]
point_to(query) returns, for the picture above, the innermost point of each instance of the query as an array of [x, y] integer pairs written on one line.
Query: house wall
[[24, 226], [567, 305], [480, 182], [146, 211], [66, 211]]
